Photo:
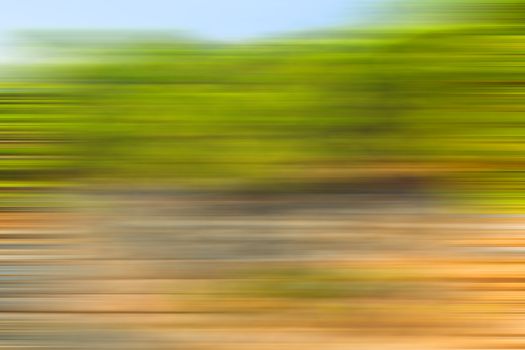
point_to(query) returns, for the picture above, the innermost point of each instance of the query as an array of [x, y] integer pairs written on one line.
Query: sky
[[224, 20], [212, 19]]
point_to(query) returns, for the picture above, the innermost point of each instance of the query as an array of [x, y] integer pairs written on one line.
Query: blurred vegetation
[[440, 100], [328, 283]]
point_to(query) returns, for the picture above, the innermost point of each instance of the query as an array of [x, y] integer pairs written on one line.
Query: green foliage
[[154, 108]]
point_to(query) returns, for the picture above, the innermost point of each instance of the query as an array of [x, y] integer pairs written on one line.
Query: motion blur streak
[[352, 188]]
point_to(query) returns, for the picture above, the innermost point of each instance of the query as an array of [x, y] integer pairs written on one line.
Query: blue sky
[[214, 19]]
